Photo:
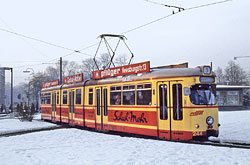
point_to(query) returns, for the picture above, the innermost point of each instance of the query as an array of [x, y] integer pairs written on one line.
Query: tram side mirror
[[187, 91]]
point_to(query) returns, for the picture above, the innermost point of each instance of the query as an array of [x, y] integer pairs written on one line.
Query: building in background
[[2, 86], [231, 97]]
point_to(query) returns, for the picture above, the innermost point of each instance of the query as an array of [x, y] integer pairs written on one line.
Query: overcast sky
[[199, 36]]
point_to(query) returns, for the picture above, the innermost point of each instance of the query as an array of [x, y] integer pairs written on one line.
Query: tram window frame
[[105, 95], [65, 97], [177, 116], [46, 98], [98, 101], [42, 98], [78, 96], [115, 95], [144, 90], [128, 91], [57, 97], [90, 96], [162, 108]]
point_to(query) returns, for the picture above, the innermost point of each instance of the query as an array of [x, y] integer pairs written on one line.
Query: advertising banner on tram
[[122, 70], [50, 84], [73, 79]]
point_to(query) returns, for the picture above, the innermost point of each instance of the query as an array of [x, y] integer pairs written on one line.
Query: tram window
[[65, 94], [98, 101], [203, 94], [90, 96], [147, 85], [42, 98], [46, 98], [57, 98], [139, 86], [105, 102], [128, 95], [177, 102], [115, 95], [144, 94], [78, 96], [163, 94], [125, 87]]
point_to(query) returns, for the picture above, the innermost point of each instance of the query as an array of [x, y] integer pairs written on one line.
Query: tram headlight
[[210, 120]]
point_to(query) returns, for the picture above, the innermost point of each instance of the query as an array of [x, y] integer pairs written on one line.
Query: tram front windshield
[[203, 94]]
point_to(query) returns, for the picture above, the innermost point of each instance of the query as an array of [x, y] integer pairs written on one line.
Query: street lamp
[[27, 70], [28, 95], [235, 58]]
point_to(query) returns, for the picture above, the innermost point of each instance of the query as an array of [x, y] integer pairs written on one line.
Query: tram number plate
[[199, 133]]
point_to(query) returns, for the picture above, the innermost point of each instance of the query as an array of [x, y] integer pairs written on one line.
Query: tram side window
[[90, 96], [98, 101], [78, 96], [57, 98], [144, 94], [177, 102], [46, 98], [115, 95], [65, 93], [105, 92], [42, 98], [163, 94], [128, 95]]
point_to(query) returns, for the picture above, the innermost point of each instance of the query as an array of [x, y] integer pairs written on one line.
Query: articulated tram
[[165, 103]]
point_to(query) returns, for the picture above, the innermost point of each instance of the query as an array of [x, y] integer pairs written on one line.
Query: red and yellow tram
[[166, 103]]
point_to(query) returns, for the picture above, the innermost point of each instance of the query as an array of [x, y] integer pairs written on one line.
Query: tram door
[[71, 106], [101, 108], [164, 130], [53, 108], [170, 110]]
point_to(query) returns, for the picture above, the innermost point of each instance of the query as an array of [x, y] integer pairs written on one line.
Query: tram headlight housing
[[210, 120]]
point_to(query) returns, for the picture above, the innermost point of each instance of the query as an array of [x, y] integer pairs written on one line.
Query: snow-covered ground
[[235, 126], [9, 125], [75, 146]]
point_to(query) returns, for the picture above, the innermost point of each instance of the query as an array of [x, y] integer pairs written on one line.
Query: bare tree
[[121, 60], [51, 73], [234, 74], [219, 76], [35, 85], [71, 68], [88, 66]]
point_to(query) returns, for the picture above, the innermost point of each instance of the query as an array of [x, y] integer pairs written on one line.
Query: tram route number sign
[[50, 84], [73, 79], [122, 70]]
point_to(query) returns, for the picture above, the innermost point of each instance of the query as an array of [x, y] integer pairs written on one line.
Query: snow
[[235, 126], [76, 146], [10, 125]]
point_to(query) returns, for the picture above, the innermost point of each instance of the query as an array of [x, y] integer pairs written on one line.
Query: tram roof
[[153, 74]]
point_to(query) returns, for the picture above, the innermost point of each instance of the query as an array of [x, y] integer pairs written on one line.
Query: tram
[[172, 103]]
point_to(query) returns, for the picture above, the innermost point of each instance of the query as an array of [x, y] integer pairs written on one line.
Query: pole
[[11, 69], [60, 71]]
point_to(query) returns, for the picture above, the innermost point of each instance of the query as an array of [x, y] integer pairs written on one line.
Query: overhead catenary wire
[[42, 41], [164, 17], [156, 20], [128, 31], [39, 51]]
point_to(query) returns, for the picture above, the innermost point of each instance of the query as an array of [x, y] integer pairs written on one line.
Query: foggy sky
[[200, 36]]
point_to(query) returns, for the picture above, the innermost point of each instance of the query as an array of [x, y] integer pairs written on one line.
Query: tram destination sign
[[50, 84], [73, 79], [122, 70]]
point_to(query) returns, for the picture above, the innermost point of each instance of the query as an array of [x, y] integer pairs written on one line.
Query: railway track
[[213, 142], [222, 144], [21, 132]]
